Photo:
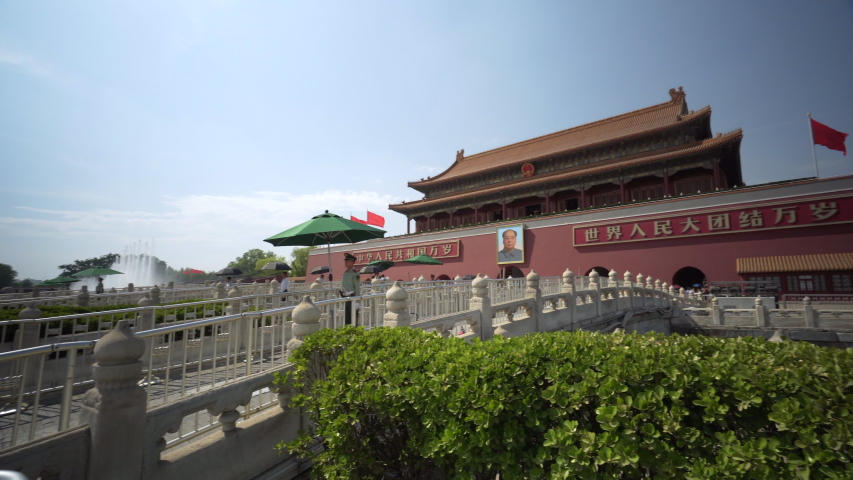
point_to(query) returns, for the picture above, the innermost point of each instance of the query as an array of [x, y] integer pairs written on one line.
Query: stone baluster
[[273, 287], [760, 312], [112, 290], [595, 286], [207, 283], [481, 302], [374, 285], [306, 320], [28, 335], [155, 294], [83, 297], [115, 408], [457, 278], [809, 313], [716, 311], [613, 280], [568, 282], [234, 306], [220, 291], [658, 284], [628, 284], [672, 291], [171, 285], [146, 317], [640, 287], [421, 279], [535, 293], [130, 287], [396, 307], [35, 293]]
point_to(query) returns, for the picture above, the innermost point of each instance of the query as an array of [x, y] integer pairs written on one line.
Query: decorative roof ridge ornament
[[677, 95], [460, 155]]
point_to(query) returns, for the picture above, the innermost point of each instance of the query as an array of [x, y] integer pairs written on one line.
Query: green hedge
[[401, 403]]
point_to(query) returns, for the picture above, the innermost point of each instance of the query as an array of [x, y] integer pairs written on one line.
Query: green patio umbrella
[[423, 260], [97, 272], [325, 229], [382, 264]]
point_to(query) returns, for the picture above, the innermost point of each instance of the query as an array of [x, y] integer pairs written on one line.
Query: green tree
[[299, 261], [105, 261], [248, 260], [7, 275]]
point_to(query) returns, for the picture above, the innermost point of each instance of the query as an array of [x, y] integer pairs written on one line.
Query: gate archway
[[688, 277], [511, 272], [602, 272]]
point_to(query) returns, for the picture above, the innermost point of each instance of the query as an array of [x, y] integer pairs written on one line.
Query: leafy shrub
[[401, 403]]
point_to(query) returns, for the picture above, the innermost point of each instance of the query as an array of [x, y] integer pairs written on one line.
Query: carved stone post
[[130, 287], [629, 285], [480, 301], [760, 313], [155, 294], [568, 282], [596, 288], [146, 317], [28, 335], [115, 408], [274, 288], [234, 306], [306, 320], [83, 297], [716, 311], [220, 291], [809, 313], [640, 286], [568, 288], [533, 291], [396, 307], [171, 285], [613, 280]]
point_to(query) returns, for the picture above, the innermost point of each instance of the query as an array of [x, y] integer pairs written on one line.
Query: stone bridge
[[211, 422]]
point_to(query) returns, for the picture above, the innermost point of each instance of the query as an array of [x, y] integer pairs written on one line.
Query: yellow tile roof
[[821, 262]]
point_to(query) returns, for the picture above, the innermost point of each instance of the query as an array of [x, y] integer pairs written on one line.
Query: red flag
[[829, 138], [357, 220], [374, 219]]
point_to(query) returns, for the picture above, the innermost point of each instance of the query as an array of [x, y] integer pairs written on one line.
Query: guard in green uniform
[[351, 287]]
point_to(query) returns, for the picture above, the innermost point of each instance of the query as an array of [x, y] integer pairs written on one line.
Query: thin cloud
[[27, 63], [202, 230]]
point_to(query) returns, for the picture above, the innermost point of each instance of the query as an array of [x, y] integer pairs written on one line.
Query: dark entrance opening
[[602, 272], [511, 272], [572, 204], [498, 215], [534, 209], [688, 277]]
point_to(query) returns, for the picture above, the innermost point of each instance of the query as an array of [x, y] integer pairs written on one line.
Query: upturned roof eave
[[709, 144], [701, 114]]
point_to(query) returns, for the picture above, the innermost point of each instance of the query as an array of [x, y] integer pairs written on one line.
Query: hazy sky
[[209, 126]]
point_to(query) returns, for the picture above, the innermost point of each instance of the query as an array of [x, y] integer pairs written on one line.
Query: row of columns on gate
[[583, 197]]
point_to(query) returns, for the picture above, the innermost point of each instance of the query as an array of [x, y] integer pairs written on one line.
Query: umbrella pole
[[329, 256]]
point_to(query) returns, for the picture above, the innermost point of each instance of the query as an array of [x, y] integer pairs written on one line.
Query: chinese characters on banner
[[736, 220], [438, 250]]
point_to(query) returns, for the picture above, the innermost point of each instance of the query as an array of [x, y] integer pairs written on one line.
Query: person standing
[[100, 287], [285, 284], [350, 287]]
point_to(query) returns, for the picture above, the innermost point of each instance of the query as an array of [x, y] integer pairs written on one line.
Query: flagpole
[[814, 155]]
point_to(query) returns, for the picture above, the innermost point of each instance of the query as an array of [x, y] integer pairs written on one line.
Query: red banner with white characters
[[824, 211], [439, 250]]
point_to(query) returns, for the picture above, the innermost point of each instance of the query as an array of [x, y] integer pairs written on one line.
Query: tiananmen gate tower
[[653, 191]]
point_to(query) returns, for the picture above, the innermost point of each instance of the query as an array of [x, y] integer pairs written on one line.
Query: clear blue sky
[[210, 126]]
